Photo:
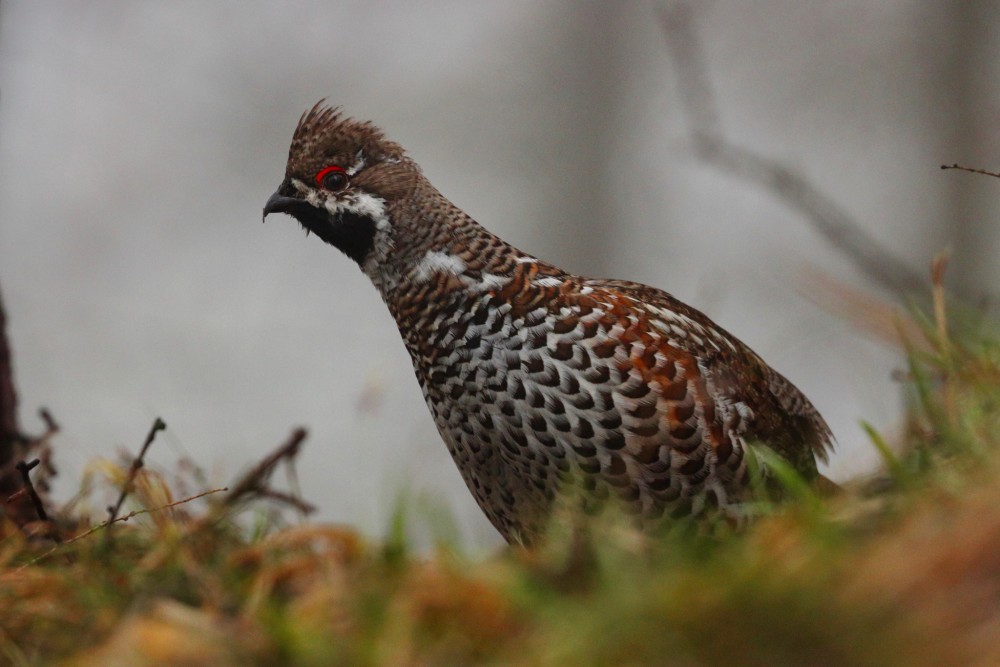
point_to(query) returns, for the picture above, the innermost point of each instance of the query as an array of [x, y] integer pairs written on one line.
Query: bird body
[[537, 378]]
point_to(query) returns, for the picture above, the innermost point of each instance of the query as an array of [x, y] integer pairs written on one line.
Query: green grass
[[904, 572]]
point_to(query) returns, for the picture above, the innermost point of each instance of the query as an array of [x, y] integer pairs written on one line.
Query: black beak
[[279, 203]]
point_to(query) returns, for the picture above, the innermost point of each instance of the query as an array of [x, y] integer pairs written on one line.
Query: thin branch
[[827, 217], [25, 470], [289, 499], [255, 481], [51, 426], [137, 463], [28, 489], [994, 174], [841, 230], [121, 519], [41, 445], [43, 449], [35, 490]]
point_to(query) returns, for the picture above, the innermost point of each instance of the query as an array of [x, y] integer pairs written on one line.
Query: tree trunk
[[10, 431], [17, 508]]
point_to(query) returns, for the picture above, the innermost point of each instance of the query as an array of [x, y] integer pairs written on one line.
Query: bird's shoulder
[[649, 323]]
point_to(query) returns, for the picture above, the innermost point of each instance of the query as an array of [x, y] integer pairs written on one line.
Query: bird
[[543, 383]]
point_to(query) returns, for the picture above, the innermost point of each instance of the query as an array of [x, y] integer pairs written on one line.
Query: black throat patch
[[351, 233]]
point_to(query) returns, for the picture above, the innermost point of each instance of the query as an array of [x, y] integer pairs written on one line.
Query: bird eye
[[332, 178]]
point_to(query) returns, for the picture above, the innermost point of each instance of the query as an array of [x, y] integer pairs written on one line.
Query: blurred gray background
[[139, 141]]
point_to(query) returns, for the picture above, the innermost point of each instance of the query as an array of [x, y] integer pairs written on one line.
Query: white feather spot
[[437, 261], [368, 206], [487, 282], [313, 199], [357, 166], [548, 281]]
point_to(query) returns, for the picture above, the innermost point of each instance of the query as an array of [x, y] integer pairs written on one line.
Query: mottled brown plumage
[[537, 378]]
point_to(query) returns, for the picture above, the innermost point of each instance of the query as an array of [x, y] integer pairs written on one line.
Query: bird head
[[343, 182]]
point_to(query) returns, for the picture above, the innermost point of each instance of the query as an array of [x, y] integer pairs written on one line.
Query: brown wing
[[747, 397]]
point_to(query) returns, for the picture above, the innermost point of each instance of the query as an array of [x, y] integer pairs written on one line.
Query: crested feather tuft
[[324, 132]]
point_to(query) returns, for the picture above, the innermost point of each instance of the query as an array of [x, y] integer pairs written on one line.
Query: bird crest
[[325, 136]]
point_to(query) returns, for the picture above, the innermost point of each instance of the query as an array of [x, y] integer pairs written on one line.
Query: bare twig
[[828, 218], [51, 426], [137, 463], [994, 174], [42, 460], [42, 448], [28, 489], [121, 519], [289, 499], [255, 481], [25, 470]]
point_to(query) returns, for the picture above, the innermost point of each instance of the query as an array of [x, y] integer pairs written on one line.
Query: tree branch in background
[[841, 230], [994, 174], [254, 483]]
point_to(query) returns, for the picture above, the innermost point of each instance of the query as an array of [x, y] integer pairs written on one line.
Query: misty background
[[139, 141]]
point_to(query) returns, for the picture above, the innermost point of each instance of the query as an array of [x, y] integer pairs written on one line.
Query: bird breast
[[540, 379]]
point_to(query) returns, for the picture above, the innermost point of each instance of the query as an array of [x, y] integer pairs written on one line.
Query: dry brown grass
[[908, 575]]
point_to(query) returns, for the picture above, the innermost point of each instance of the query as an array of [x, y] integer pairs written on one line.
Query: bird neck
[[439, 259], [429, 241]]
